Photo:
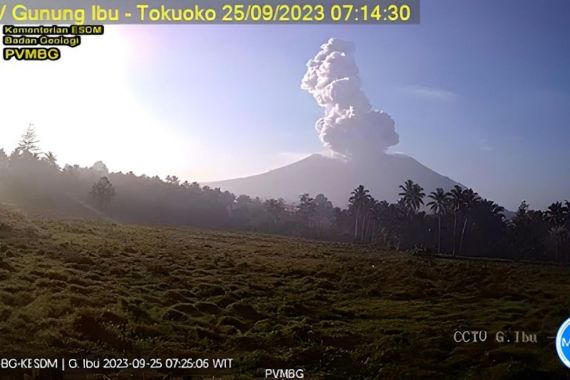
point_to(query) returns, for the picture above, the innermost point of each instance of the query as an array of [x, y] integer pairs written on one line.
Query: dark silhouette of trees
[[51, 159], [488, 230], [306, 210], [314, 215], [4, 161], [558, 237], [528, 233], [324, 212], [557, 214], [456, 203], [4, 164], [372, 218], [358, 202], [102, 193], [391, 219], [276, 210], [462, 202], [465, 223], [439, 205], [412, 195], [469, 200], [558, 218], [173, 180]]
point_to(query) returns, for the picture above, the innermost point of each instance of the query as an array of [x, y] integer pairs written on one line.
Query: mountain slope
[[337, 178]]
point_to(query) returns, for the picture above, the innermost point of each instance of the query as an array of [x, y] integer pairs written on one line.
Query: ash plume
[[350, 126]]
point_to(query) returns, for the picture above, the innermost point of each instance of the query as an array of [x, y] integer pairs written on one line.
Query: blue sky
[[480, 92]]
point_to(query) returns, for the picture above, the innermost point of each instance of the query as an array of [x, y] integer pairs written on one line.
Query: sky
[[479, 91]]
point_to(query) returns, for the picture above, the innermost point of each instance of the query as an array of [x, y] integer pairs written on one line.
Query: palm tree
[[376, 213], [496, 210], [412, 195], [491, 209], [557, 214], [357, 201], [370, 220], [470, 199], [456, 201], [51, 159], [438, 205]]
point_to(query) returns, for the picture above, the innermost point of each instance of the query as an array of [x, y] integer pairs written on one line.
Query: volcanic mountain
[[349, 127], [336, 178]]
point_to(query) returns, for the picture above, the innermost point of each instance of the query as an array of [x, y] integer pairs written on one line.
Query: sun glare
[[83, 109]]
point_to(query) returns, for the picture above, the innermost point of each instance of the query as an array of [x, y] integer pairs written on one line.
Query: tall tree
[[51, 159], [558, 237], [412, 195], [438, 205], [496, 210], [173, 180], [29, 142], [275, 208], [556, 214], [4, 162], [367, 220], [102, 193], [357, 202], [529, 231], [470, 199], [3, 159], [307, 210], [456, 202], [324, 212]]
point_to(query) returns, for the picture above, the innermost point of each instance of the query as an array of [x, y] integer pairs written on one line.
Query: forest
[[454, 222]]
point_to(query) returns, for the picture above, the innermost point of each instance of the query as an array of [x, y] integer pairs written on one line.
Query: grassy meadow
[[98, 289]]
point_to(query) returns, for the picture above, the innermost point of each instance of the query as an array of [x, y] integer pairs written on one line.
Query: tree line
[[455, 222]]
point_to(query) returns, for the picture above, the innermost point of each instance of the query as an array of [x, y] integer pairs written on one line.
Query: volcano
[[349, 128], [336, 178]]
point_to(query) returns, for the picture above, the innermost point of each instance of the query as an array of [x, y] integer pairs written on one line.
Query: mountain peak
[[336, 178]]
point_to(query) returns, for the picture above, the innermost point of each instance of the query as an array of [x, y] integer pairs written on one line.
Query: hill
[[97, 289], [336, 178]]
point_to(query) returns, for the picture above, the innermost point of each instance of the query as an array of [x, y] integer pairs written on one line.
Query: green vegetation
[[96, 289], [458, 222]]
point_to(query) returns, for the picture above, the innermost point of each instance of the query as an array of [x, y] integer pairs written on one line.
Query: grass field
[[88, 289]]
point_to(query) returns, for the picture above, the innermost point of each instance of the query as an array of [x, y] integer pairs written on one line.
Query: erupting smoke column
[[350, 126]]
